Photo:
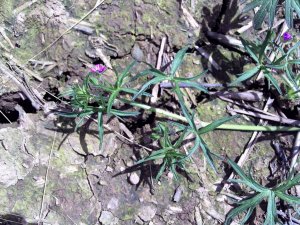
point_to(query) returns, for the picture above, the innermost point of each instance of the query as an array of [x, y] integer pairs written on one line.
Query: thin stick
[[155, 89], [161, 52], [98, 3], [267, 117], [251, 142], [46, 178], [5, 117], [295, 151]]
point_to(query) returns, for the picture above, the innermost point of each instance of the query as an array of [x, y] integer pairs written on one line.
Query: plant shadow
[[14, 219], [228, 61]]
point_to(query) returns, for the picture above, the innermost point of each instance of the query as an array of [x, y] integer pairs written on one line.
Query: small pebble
[[103, 183], [137, 53], [134, 178], [178, 194], [109, 169]]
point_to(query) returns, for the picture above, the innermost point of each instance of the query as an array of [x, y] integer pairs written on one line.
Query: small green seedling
[[261, 194], [278, 69], [269, 8]]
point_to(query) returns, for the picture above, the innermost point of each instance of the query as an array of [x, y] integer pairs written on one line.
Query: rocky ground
[[50, 174]]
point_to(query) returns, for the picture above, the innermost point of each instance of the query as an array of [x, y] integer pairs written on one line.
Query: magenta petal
[[102, 69], [98, 68], [287, 36]]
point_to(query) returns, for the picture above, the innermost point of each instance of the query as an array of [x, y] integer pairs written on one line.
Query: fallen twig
[[268, 117], [252, 141], [295, 151]]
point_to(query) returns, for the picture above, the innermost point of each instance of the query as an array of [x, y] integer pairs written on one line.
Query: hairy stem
[[221, 127]]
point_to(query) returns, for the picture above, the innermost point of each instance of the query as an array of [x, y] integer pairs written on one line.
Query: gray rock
[[13, 156], [137, 53], [178, 194], [107, 218], [113, 203], [146, 213], [109, 144]]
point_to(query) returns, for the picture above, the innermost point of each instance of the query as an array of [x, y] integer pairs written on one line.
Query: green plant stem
[[221, 127], [294, 88]]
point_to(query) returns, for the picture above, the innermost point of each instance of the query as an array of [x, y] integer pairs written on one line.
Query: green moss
[[6, 10], [129, 213], [28, 43]]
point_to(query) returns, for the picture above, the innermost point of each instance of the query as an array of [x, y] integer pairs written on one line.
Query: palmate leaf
[[246, 179], [244, 205], [268, 7], [270, 194]]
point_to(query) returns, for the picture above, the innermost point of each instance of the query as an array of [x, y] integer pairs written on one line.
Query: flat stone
[[146, 213], [113, 203], [107, 218]]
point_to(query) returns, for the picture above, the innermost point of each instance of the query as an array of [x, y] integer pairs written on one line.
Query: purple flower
[[287, 36], [98, 68]]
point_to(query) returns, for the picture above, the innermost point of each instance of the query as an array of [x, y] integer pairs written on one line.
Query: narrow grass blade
[[246, 75], [161, 170], [178, 61], [123, 113], [207, 153], [183, 79], [272, 11], [120, 78], [288, 198], [272, 80], [132, 91], [152, 71], [294, 61], [155, 80], [247, 216], [248, 48], [261, 14], [271, 210], [296, 6], [111, 100], [184, 108], [290, 182], [252, 5], [196, 86], [289, 13], [264, 46], [215, 124]]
